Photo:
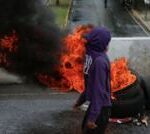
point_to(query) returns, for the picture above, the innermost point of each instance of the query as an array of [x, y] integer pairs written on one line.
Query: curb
[[140, 20], [68, 13]]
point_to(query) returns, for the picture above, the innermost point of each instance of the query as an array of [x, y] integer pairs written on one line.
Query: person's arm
[[98, 77]]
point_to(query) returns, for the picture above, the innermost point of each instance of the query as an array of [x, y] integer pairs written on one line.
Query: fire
[[72, 60], [63, 84], [69, 74], [71, 68], [8, 44], [121, 76]]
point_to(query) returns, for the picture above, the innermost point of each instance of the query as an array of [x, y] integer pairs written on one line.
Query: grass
[[60, 15], [62, 2], [60, 11]]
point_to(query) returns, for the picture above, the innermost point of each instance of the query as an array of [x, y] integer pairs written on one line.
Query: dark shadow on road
[[66, 122]]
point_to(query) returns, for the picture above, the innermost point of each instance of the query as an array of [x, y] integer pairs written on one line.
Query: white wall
[[137, 50]]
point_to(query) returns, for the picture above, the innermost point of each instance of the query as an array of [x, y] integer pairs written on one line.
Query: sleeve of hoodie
[[98, 78], [81, 99]]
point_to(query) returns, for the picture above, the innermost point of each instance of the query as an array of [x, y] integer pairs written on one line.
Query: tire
[[144, 83], [128, 87], [146, 89], [128, 108], [132, 90], [128, 93], [139, 78]]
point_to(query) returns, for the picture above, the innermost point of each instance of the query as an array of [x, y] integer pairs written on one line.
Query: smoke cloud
[[39, 38]]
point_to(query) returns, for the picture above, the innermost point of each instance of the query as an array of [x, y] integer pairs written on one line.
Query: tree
[[57, 2]]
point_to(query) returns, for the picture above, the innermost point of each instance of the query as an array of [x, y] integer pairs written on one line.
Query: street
[[115, 17], [31, 109]]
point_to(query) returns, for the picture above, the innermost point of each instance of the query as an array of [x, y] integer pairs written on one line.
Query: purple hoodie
[[97, 73]]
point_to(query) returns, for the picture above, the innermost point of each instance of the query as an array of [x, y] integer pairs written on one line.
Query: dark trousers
[[101, 122]]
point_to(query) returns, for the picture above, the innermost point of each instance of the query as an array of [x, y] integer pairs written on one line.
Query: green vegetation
[[61, 2], [60, 11], [60, 15]]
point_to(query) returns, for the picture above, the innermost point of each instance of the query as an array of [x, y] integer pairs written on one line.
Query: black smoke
[[39, 38]]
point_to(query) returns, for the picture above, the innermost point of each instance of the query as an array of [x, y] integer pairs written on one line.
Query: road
[[31, 109], [115, 17]]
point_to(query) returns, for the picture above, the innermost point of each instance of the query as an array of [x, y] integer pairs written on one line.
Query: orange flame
[[72, 62], [121, 76], [8, 44], [71, 68]]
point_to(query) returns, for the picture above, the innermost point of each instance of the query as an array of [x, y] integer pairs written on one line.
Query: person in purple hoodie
[[97, 82]]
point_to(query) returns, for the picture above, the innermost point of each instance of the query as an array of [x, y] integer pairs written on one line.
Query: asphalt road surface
[[31, 109], [115, 17]]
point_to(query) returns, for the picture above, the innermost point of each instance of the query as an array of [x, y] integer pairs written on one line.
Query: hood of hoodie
[[94, 54], [98, 39]]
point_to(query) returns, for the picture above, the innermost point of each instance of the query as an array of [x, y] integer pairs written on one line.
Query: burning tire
[[128, 92], [130, 107], [144, 83], [132, 90], [146, 88]]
